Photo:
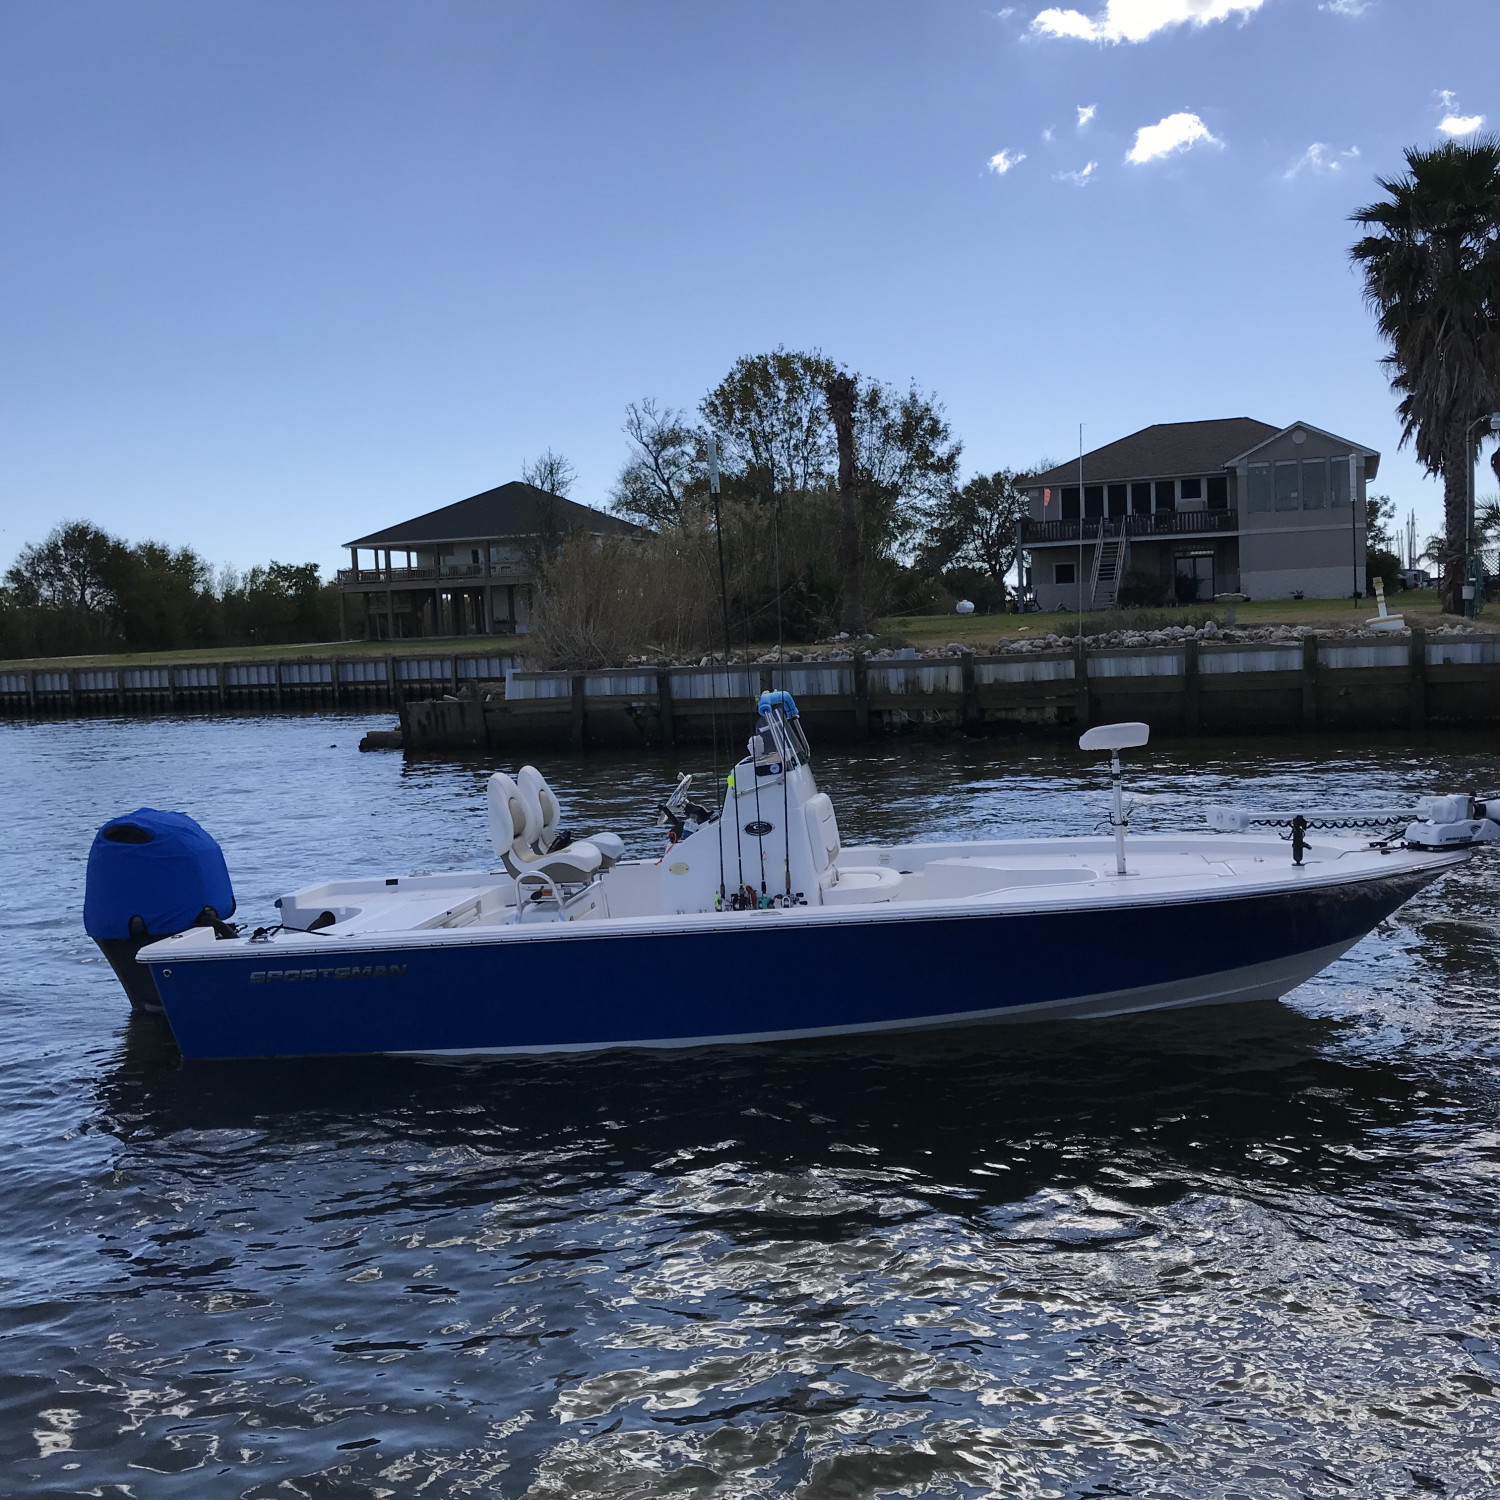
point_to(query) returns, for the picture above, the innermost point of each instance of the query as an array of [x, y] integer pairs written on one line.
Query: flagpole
[[1080, 531]]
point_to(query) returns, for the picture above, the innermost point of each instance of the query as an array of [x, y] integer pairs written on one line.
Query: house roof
[[513, 509], [1167, 448]]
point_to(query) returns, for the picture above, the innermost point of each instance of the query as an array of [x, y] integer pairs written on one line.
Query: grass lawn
[[463, 645], [1418, 606]]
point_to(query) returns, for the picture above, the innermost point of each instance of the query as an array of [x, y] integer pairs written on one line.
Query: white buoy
[[964, 607]]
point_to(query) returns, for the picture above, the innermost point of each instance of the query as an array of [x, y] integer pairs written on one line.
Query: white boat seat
[[520, 820], [534, 788], [862, 885]]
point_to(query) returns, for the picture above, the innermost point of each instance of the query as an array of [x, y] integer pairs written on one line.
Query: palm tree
[[1431, 266]]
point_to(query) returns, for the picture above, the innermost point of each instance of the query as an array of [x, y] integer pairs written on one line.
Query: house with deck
[[1189, 510], [464, 569]]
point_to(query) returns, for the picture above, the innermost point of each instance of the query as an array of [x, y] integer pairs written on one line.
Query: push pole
[[713, 487]]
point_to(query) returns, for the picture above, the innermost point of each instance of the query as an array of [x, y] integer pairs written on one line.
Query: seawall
[[1190, 688], [246, 685]]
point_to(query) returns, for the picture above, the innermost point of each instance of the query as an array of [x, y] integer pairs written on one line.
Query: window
[[1287, 494], [1192, 489], [1195, 578], [1166, 494], [1118, 499], [1070, 502], [1314, 483], [1218, 491], [1064, 572], [1093, 501], [1140, 499], [1258, 483], [1338, 490]]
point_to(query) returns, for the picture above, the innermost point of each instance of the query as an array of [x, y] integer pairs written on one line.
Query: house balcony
[[1160, 523], [408, 578]]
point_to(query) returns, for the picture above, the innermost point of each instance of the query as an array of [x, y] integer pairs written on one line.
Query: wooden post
[[971, 710], [333, 668], [276, 676], [1309, 684], [393, 687], [31, 691], [578, 713], [219, 686], [172, 689], [664, 707], [73, 693], [861, 695], [1191, 688], [1081, 682], [1417, 666]]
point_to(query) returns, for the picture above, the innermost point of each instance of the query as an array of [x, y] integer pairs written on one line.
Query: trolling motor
[[1452, 821], [1115, 738]]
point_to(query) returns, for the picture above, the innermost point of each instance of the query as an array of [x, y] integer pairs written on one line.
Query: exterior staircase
[[1110, 558]]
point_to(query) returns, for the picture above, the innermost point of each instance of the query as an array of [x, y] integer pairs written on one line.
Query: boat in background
[[754, 923]]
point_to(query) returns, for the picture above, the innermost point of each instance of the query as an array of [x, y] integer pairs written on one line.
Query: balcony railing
[[397, 577], [1160, 523], [402, 578]]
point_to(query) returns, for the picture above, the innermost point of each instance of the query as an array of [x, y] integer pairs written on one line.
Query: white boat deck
[[875, 882]]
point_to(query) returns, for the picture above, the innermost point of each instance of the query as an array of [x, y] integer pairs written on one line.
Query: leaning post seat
[[516, 826], [534, 786]]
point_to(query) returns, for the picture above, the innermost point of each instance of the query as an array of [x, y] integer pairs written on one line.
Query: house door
[[1195, 578]]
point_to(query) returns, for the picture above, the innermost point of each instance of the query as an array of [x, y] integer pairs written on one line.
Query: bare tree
[[667, 454], [551, 472]]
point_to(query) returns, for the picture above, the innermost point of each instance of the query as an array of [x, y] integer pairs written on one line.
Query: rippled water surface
[[1248, 1252]]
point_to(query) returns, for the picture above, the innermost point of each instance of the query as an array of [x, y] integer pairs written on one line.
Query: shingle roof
[[1166, 448], [513, 509]]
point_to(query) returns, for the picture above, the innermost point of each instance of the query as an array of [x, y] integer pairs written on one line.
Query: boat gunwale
[[984, 906]]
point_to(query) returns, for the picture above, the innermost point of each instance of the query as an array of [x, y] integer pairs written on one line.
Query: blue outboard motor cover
[[159, 866]]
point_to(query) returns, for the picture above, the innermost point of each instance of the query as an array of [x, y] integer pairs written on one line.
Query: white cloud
[[1453, 123], [1345, 7], [1322, 159], [1136, 20], [1460, 124], [1081, 177], [1086, 112], [1179, 132], [1002, 161]]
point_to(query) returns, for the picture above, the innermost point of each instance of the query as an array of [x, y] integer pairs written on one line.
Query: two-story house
[[1195, 509], [464, 569]]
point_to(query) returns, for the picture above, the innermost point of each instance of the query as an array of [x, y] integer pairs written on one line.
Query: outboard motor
[[152, 874]]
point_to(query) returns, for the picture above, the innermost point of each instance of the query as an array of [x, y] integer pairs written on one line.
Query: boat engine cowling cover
[[158, 866]]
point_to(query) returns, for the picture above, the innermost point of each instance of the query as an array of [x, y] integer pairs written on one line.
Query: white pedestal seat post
[[1115, 738]]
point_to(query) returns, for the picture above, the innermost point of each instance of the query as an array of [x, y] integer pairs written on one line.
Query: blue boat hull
[[730, 980]]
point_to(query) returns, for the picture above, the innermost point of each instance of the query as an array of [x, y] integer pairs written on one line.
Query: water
[[1238, 1253]]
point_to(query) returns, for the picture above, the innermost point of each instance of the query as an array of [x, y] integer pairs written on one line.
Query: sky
[[273, 275]]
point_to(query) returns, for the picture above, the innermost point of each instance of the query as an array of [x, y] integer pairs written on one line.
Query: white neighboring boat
[[755, 923]]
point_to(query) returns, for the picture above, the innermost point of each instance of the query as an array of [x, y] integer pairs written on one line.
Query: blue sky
[[275, 274]]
